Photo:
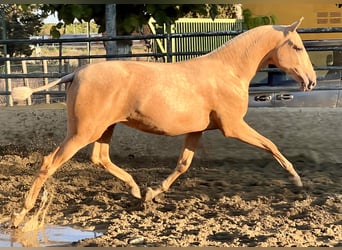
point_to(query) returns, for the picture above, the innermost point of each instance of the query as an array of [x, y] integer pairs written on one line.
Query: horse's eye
[[297, 48]]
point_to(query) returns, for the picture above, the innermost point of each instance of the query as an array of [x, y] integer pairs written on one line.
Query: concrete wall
[[311, 133]]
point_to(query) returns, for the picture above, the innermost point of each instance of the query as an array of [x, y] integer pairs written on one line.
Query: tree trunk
[[111, 48]]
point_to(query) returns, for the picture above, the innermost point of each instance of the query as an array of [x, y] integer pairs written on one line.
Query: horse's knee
[[95, 159], [47, 162], [45, 171], [100, 161], [183, 166], [29, 204], [47, 159]]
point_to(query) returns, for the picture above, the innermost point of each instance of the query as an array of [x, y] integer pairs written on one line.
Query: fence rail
[[10, 79]]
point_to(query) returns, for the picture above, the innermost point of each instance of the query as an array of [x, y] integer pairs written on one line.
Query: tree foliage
[[24, 20], [130, 17], [21, 21], [69, 12], [251, 21]]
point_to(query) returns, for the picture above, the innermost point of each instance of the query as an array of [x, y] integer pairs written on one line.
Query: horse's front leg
[[245, 133], [184, 161]]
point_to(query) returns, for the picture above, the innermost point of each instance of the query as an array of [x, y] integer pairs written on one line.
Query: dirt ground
[[232, 195]]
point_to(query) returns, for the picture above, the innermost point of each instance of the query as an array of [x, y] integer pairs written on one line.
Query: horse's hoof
[[297, 181], [135, 191], [150, 194], [16, 220]]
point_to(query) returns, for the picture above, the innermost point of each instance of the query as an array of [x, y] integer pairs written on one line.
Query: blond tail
[[22, 93]]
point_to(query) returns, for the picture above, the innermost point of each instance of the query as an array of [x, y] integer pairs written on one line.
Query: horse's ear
[[295, 25]]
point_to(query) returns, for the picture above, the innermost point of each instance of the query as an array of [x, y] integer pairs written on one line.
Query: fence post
[[66, 66], [168, 48], [26, 83], [60, 48], [8, 81], [46, 80], [110, 17]]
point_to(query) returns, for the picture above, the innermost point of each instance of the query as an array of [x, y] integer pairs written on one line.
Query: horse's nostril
[[311, 85]]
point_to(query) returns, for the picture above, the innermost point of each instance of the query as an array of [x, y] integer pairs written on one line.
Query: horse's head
[[292, 57]]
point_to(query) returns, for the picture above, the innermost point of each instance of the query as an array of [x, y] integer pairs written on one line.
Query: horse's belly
[[168, 124]]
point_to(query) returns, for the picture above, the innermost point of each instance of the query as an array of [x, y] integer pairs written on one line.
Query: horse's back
[[146, 96]]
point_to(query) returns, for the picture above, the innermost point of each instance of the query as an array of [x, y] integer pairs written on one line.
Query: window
[[325, 18]]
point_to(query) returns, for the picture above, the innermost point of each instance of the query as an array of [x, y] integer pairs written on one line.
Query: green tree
[[21, 21], [251, 21], [69, 12], [130, 17]]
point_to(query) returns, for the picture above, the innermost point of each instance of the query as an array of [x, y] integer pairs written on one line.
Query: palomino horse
[[208, 92]]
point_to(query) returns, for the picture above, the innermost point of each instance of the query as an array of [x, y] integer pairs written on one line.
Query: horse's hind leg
[[245, 133], [49, 165], [184, 161], [100, 155]]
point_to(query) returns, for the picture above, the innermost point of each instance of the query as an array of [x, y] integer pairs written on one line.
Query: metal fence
[[59, 65], [195, 43]]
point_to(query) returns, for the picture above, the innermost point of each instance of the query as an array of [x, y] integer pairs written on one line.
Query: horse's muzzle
[[309, 86]]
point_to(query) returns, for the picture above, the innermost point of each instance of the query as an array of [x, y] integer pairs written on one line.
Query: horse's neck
[[248, 52]]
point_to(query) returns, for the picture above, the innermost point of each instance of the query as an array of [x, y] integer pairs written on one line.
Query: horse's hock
[[312, 133]]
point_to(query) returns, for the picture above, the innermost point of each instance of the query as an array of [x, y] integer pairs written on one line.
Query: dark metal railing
[[92, 41]]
